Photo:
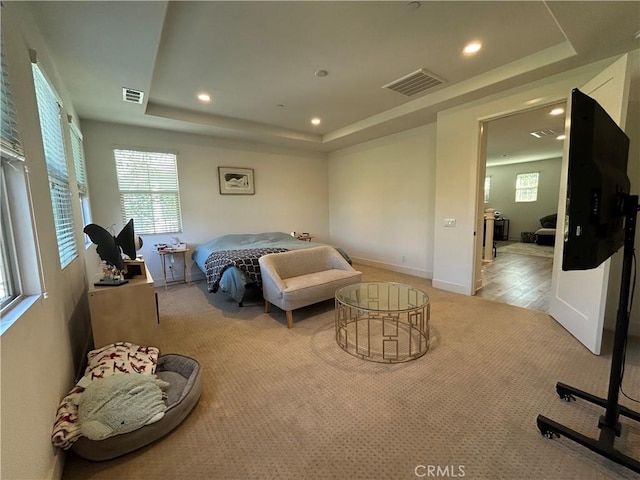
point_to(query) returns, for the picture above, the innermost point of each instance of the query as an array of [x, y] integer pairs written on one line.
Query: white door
[[578, 298]]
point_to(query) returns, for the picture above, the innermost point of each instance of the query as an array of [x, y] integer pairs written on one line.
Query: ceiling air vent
[[132, 96], [544, 133], [414, 83]]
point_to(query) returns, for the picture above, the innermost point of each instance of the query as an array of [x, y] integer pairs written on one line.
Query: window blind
[[78, 160], [149, 193], [52, 139], [527, 187], [10, 145]]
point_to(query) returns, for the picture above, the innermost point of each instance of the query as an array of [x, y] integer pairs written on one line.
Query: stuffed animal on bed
[[120, 404]]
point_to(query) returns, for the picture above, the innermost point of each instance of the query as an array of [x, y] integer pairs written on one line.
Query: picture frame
[[236, 181]]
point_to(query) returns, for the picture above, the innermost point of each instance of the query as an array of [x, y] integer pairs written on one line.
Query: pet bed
[[185, 386]]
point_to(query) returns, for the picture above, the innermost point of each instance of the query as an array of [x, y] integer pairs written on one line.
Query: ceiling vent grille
[[544, 133], [132, 96], [414, 83]]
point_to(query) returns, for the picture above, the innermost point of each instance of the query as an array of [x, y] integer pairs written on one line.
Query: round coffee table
[[382, 321]]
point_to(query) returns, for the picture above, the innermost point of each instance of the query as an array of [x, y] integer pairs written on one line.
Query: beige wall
[[41, 351], [459, 173], [633, 131], [291, 192], [524, 216], [381, 198], [386, 199]]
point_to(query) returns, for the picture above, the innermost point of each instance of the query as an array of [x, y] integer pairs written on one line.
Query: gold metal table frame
[[382, 322]]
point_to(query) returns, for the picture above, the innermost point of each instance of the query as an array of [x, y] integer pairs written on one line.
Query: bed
[[230, 262]]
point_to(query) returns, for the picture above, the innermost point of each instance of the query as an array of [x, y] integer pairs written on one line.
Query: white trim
[[393, 267]]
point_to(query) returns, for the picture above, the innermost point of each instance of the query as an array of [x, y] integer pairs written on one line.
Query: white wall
[[459, 174], [291, 192], [524, 216], [458, 171], [381, 199], [633, 131], [41, 351]]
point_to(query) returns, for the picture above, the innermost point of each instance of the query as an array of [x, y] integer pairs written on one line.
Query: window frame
[[57, 161], [487, 188], [153, 186], [22, 263], [520, 190], [10, 151], [80, 166], [10, 275]]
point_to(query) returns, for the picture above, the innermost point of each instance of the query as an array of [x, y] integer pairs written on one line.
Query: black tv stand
[[608, 423]]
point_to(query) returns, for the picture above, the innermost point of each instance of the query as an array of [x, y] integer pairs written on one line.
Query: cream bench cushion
[[295, 279]]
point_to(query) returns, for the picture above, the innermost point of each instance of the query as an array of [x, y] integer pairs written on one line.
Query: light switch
[[449, 222]]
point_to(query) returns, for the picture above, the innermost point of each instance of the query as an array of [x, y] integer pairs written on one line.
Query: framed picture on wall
[[236, 181]]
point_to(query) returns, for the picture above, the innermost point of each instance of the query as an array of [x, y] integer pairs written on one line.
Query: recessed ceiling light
[[204, 97], [472, 48], [413, 5], [321, 73], [561, 137], [557, 111], [315, 121]]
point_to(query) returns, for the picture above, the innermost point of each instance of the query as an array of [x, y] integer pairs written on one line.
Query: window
[[11, 155], [487, 188], [148, 184], [53, 142], [527, 187], [81, 176]]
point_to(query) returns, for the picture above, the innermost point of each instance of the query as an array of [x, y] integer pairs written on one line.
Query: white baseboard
[[416, 272], [450, 287]]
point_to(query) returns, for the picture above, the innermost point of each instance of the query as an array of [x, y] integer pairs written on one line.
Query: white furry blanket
[[120, 404]]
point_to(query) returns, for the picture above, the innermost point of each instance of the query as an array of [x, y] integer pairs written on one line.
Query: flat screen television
[[596, 187]]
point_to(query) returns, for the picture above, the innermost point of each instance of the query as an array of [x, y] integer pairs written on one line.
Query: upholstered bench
[[298, 278]]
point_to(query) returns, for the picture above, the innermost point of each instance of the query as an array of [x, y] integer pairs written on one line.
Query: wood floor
[[521, 280]]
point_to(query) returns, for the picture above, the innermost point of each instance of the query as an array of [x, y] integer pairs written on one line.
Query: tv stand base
[[604, 444]]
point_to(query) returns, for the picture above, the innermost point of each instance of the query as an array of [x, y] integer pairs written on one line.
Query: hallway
[[520, 280]]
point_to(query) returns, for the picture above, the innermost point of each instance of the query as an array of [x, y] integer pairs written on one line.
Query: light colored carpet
[[290, 404], [527, 249]]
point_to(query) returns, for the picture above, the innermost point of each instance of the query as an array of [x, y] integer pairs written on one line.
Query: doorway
[[521, 183]]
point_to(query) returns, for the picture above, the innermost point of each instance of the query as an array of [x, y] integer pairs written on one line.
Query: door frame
[[482, 171]]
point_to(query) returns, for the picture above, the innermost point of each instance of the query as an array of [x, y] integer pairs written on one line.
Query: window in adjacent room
[[81, 176], [527, 187], [49, 111], [487, 188], [149, 193]]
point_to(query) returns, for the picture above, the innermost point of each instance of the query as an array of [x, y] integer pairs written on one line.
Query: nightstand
[[163, 258]]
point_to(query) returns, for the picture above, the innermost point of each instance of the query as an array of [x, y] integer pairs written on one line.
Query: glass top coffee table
[[382, 321]]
